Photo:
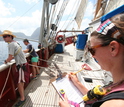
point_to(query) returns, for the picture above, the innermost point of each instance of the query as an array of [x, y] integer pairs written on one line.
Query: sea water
[[4, 49]]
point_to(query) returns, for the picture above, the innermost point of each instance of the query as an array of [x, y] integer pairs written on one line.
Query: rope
[[56, 6], [5, 82], [60, 14], [49, 68], [72, 12], [37, 66], [61, 69], [51, 13], [52, 61]]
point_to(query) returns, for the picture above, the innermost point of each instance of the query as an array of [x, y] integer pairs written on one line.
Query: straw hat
[[7, 32]]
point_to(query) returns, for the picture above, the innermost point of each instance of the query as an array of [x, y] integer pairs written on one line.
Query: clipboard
[[71, 91]]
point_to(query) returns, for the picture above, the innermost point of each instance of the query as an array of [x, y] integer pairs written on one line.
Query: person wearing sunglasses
[[107, 47], [21, 75]]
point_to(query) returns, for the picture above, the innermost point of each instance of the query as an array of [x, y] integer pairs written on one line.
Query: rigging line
[[28, 39], [23, 14], [69, 14], [69, 23], [51, 12], [50, 18], [59, 16], [63, 69], [56, 8], [57, 5], [58, 13], [50, 68], [73, 9], [38, 66], [62, 13], [76, 10], [52, 61]]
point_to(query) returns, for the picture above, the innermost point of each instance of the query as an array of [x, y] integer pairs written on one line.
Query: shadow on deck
[[40, 93]]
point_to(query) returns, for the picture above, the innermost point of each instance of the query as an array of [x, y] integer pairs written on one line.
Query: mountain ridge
[[35, 35]]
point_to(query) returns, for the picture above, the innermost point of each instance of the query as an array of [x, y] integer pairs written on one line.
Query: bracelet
[[5, 61]]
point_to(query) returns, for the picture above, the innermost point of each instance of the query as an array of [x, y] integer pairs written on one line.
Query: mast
[[45, 27], [98, 6], [42, 32]]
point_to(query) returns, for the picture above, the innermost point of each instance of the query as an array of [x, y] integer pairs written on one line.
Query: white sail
[[80, 12]]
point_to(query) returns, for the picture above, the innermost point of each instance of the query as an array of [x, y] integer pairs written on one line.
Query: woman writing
[[107, 47]]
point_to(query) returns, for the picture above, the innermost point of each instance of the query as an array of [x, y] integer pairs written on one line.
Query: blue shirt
[[31, 50]]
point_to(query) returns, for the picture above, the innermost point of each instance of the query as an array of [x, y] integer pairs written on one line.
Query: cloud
[[85, 23], [6, 9], [31, 1], [89, 10], [24, 24]]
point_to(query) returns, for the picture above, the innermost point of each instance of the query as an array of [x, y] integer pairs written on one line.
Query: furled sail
[[80, 12], [113, 4], [105, 6]]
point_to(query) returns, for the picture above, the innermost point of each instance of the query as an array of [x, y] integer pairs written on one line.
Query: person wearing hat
[[15, 51], [34, 58]]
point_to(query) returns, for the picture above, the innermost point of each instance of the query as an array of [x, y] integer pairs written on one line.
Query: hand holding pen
[[73, 76]]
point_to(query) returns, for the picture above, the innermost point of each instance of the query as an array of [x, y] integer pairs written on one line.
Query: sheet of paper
[[73, 94]]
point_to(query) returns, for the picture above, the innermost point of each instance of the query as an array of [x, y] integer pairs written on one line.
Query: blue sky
[[25, 15]]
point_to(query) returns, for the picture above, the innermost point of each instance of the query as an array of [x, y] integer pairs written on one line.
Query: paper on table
[[71, 91]]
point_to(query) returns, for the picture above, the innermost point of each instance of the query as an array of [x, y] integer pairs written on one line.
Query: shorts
[[34, 59], [22, 73]]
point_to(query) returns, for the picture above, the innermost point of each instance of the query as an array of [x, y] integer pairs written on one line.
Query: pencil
[[78, 71]]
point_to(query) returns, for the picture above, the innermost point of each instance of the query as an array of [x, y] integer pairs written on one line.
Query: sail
[[105, 6], [80, 12]]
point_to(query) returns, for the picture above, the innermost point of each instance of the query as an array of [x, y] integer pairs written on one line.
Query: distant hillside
[[34, 36], [20, 35]]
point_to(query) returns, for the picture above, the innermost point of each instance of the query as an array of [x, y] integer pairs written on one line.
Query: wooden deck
[[40, 93]]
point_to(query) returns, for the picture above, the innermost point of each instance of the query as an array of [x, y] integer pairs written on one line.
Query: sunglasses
[[5, 36], [92, 49]]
